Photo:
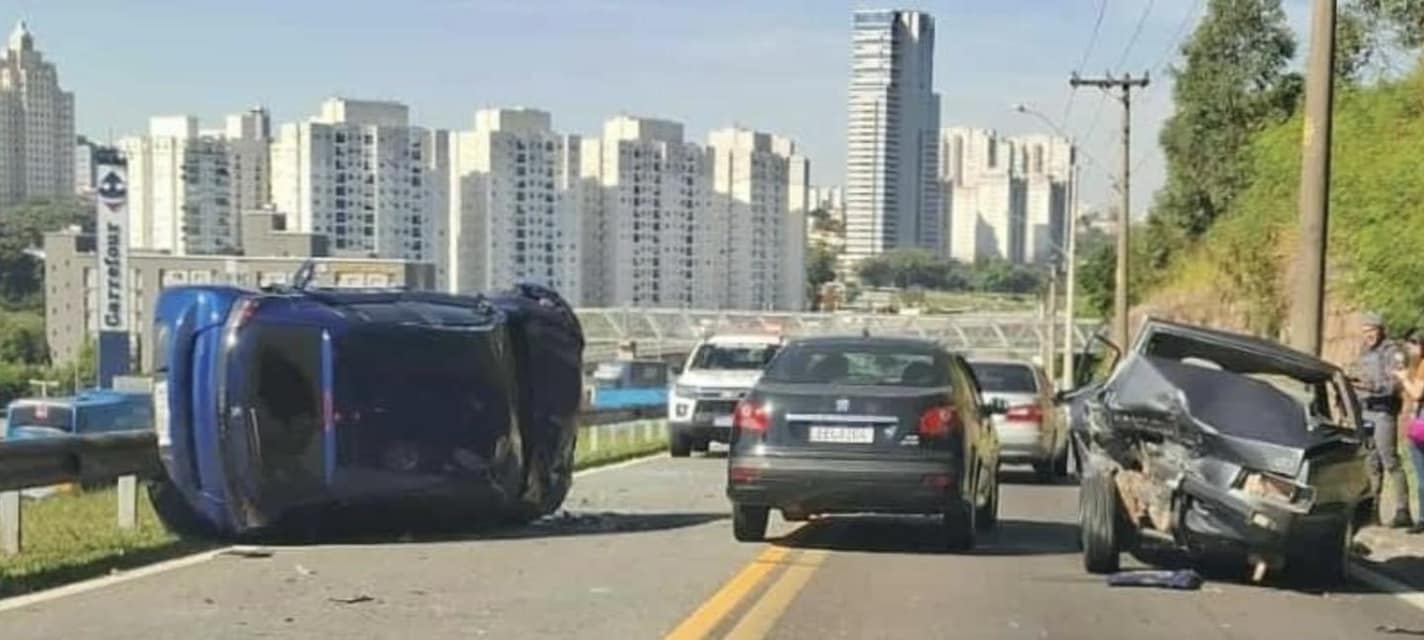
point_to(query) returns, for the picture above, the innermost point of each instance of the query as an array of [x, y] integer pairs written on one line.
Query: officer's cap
[[1373, 320]]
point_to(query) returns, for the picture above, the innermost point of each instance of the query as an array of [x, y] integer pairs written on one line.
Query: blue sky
[[780, 66]]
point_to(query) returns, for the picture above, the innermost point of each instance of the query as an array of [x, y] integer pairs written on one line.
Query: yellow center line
[[706, 617], [760, 618]]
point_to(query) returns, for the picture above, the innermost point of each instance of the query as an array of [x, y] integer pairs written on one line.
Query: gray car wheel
[[1097, 523], [988, 517], [959, 526], [749, 522], [679, 444]]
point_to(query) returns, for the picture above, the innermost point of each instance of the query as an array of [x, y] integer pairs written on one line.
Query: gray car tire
[[749, 522], [1098, 523]]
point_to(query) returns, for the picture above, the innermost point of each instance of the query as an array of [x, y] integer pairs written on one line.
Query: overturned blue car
[[285, 408]]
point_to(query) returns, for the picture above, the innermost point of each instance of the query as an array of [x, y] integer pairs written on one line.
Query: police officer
[[1379, 391]]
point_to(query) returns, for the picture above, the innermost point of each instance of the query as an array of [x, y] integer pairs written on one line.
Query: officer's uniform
[[1380, 399]]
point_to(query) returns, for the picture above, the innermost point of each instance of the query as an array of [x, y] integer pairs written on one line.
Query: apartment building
[[516, 205], [361, 174], [180, 190], [760, 191], [655, 245]]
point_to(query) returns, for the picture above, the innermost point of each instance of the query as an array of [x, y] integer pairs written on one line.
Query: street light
[[1071, 258]]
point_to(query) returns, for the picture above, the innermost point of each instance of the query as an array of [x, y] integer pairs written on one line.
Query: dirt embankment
[[1206, 305]]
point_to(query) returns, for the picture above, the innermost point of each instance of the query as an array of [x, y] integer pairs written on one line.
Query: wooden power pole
[[1309, 300], [1124, 85]]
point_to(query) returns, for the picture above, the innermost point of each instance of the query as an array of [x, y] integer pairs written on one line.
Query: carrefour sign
[[111, 231]]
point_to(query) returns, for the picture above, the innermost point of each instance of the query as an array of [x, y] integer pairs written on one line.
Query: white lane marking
[[621, 465], [1408, 594], [17, 602], [101, 582]]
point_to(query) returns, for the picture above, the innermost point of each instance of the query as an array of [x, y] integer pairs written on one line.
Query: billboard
[[111, 231], [111, 235]]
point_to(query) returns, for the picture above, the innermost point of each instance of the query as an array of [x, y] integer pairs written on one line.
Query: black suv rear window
[[860, 364], [1005, 377]]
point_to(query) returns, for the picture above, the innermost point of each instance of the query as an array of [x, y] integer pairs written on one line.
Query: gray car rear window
[[1004, 377], [860, 364]]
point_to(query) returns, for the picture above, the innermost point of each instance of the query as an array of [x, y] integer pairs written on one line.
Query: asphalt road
[[647, 552]]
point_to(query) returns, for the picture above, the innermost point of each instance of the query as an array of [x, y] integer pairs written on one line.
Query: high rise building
[[1005, 197], [892, 180], [189, 188], [516, 204], [360, 174], [985, 197], [1046, 163], [36, 125], [249, 139], [760, 191], [653, 242], [798, 196], [180, 190]]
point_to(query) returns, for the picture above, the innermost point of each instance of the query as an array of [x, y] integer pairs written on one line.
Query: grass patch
[[979, 302], [617, 443], [68, 538]]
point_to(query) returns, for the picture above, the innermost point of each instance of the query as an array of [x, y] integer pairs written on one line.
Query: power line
[[1160, 66], [1136, 33], [1176, 38], [1087, 51]]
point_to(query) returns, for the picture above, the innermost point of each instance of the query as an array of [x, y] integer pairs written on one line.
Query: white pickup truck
[[719, 371]]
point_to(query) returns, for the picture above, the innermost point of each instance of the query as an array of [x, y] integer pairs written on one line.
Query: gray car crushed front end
[[1251, 454]]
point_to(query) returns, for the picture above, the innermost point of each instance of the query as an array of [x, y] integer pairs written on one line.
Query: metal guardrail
[[127, 457], [660, 332]]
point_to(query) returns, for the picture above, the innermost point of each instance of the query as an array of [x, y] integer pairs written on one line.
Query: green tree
[[1403, 20], [22, 227], [1001, 276], [876, 271], [22, 338], [820, 269], [1233, 81]]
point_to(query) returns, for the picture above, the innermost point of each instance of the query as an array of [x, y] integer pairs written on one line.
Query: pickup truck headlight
[[684, 391]]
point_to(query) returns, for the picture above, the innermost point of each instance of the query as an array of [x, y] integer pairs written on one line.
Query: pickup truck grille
[[721, 407], [731, 395]]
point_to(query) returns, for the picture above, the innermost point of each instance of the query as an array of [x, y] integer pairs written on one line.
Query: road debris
[[247, 552], [1397, 630], [1184, 579], [304, 571], [360, 599]]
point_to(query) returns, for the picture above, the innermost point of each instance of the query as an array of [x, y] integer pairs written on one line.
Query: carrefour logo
[[113, 276]]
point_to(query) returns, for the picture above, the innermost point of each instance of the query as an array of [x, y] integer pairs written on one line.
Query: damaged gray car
[[1222, 446]]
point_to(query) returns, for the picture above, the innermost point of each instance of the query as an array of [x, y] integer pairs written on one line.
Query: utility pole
[[1309, 306], [1069, 330], [1049, 348], [1125, 85]]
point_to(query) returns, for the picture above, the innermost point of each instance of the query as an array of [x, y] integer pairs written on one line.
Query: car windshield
[[860, 364], [41, 415], [1004, 377], [729, 356]]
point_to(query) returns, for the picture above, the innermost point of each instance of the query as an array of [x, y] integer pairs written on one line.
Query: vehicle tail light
[[743, 474], [241, 313], [937, 480], [939, 422], [751, 416], [1024, 413]]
